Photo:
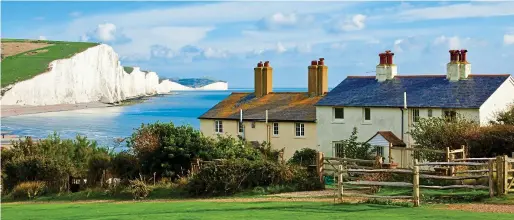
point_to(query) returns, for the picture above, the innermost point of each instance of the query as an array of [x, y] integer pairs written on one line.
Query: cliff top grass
[[23, 59]]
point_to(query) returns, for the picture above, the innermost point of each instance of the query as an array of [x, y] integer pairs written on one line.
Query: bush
[[125, 166], [233, 176], [29, 190], [35, 168], [439, 133], [491, 141], [139, 189], [304, 157], [351, 148]]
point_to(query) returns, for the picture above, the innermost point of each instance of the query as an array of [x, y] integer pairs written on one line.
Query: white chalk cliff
[[90, 76]]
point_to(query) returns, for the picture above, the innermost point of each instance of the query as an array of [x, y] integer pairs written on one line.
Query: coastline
[[16, 110]]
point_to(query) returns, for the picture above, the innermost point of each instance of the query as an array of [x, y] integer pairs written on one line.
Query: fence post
[[452, 167], [340, 183], [491, 176], [463, 152], [319, 167], [499, 174], [415, 183], [505, 174]]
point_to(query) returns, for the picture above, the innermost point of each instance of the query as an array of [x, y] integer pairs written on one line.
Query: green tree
[[351, 148], [438, 134], [506, 117]]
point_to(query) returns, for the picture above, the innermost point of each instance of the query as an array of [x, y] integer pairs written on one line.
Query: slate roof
[[422, 91], [281, 106], [390, 137]]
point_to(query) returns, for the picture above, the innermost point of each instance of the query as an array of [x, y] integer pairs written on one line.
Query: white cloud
[[508, 39], [338, 46], [42, 38], [454, 42], [283, 19], [353, 23], [214, 53], [106, 32], [75, 14], [461, 10], [281, 48]]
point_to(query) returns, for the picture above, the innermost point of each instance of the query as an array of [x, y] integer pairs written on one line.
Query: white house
[[384, 107]]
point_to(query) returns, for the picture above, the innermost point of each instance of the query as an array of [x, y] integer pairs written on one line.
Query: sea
[[106, 125]]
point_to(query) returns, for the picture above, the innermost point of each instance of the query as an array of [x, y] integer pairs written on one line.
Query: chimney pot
[[321, 61], [266, 64], [382, 58], [390, 58], [463, 55], [259, 64], [314, 63]]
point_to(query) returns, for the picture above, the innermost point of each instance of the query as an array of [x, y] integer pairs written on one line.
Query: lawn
[[226, 210], [26, 65]]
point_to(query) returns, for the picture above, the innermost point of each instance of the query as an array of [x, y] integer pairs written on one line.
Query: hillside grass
[[232, 210], [23, 66]]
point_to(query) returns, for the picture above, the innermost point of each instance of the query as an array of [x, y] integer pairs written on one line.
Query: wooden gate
[[505, 174]]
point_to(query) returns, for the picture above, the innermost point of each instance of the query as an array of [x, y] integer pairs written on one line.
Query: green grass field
[[227, 210], [24, 66]]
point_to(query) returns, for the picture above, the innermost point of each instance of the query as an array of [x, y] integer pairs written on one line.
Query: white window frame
[[414, 116], [337, 120], [430, 113], [451, 118], [275, 131], [364, 121], [218, 126], [299, 129], [240, 127]]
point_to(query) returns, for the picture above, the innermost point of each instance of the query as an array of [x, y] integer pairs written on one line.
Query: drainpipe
[[401, 109]]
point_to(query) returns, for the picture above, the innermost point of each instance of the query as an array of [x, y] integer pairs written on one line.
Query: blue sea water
[[107, 124]]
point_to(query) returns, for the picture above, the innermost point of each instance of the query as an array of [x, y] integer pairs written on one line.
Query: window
[[367, 114], [338, 113], [429, 113], [241, 127], [450, 115], [218, 126], [300, 129], [275, 129], [379, 150], [415, 115], [339, 149]]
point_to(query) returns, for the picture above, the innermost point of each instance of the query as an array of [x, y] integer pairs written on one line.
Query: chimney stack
[[458, 68], [313, 78], [267, 79], [322, 78], [258, 79], [386, 69]]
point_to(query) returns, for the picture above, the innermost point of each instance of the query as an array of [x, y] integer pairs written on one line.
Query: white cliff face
[[89, 76], [215, 86]]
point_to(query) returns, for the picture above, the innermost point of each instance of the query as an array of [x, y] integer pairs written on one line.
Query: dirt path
[[482, 208], [13, 48]]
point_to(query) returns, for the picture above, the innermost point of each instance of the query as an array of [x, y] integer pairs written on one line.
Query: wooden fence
[[505, 174], [348, 166]]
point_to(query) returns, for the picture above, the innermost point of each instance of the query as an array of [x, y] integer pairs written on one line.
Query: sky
[[225, 40]]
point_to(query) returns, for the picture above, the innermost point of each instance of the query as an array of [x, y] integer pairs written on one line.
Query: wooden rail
[[487, 168]]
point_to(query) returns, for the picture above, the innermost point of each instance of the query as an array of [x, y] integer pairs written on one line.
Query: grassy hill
[[19, 64]]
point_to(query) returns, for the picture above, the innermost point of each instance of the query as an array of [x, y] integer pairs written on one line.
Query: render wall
[[286, 138]]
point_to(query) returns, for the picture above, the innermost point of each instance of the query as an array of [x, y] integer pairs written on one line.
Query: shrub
[[35, 168], [351, 148], [233, 176], [438, 133], [125, 166], [139, 189], [29, 190], [304, 157], [490, 141]]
